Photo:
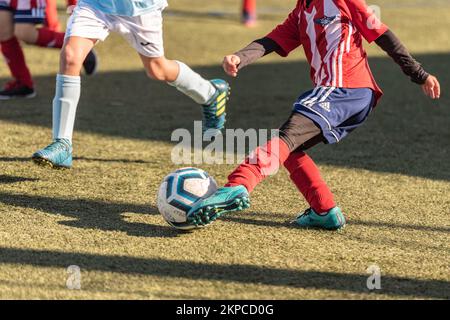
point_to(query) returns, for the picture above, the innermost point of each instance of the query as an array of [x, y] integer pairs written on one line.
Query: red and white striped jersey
[[331, 33], [21, 5]]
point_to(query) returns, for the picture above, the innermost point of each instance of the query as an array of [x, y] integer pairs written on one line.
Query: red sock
[[249, 8], [263, 162], [49, 38], [51, 15], [306, 176], [12, 51]]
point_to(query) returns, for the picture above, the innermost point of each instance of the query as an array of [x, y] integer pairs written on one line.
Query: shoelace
[[306, 213], [58, 145]]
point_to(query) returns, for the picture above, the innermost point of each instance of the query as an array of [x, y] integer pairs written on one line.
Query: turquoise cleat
[[224, 200], [57, 155], [214, 111], [333, 220]]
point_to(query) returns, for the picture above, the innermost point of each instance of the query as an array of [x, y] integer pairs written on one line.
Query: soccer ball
[[179, 191]]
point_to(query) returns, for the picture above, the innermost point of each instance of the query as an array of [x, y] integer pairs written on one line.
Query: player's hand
[[432, 88], [231, 64]]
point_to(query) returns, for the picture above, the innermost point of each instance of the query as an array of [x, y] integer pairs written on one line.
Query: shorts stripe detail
[[311, 95], [326, 95], [314, 99], [307, 105]]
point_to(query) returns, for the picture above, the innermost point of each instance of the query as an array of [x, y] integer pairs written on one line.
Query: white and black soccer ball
[[179, 191]]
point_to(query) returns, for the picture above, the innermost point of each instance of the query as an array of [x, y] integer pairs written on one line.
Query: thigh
[[300, 132], [6, 24], [86, 22], [144, 33], [26, 32]]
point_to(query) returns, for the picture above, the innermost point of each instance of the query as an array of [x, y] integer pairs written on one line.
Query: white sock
[[65, 104], [193, 85]]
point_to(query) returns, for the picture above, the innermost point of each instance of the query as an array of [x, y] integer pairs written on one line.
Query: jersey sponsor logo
[[324, 21]]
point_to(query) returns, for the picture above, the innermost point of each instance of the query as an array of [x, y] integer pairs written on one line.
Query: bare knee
[[71, 59], [157, 69]]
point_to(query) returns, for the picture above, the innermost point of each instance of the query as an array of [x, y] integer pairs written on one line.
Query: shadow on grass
[[407, 134], [23, 159], [92, 214], [246, 274], [5, 179], [374, 224]]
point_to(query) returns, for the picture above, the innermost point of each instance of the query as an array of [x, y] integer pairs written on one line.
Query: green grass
[[391, 177]]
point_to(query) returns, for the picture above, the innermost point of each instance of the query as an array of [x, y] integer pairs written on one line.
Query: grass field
[[391, 177]]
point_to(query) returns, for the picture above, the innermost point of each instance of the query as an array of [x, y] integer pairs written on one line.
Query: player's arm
[[372, 29], [413, 69], [283, 39], [254, 51]]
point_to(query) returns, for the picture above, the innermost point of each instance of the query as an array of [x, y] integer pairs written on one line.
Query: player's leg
[[22, 84], [249, 12], [304, 173], [26, 30], [212, 95], [39, 36], [145, 34], [85, 28], [326, 112], [67, 94], [262, 163], [28, 16]]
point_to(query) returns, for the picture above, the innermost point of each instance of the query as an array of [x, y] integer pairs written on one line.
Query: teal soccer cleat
[[57, 155], [224, 200], [214, 111], [333, 220]]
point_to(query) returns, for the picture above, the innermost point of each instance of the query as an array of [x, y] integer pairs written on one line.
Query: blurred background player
[[51, 12], [25, 20], [249, 13], [345, 93], [141, 24]]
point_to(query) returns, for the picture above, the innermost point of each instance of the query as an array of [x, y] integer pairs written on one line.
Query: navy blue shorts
[[25, 11], [337, 111]]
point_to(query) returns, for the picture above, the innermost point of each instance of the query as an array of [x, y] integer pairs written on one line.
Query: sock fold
[[67, 95], [193, 85], [306, 176]]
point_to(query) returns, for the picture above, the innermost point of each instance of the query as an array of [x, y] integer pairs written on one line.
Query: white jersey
[[128, 8]]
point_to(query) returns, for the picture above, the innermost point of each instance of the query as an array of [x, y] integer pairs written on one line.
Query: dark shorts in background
[[336, 111], [25, 11]]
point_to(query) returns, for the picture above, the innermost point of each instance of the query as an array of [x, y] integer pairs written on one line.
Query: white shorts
[[144, 33]]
